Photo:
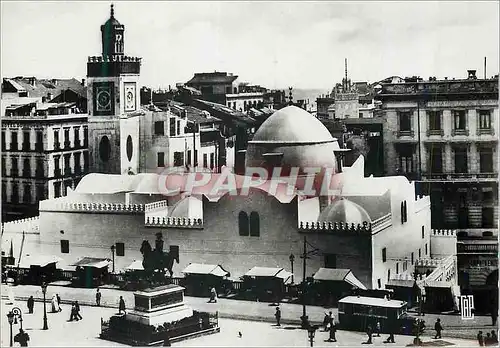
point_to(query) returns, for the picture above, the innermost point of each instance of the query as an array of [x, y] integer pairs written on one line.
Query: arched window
[[254, 224], [404, 212], [243, 223]]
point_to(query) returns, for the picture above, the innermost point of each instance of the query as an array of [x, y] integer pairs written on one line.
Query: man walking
[[480, 338], [31, 304], [438, 328], [22, 337], [77, 309], [369, 332], [121, 306], [98, 298], [494, 315], [333, 330], [59, 301], [277, 315]]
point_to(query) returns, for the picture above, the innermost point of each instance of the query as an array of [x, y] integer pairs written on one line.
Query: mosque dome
[[188, 207], [292, 125], [292, 138], [344, 210]]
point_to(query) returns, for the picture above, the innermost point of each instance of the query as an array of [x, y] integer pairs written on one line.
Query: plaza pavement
[[453, 325], [85, 333]]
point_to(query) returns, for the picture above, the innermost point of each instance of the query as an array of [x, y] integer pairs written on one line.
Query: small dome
[[344, 210], [292, 125], [188, 207]]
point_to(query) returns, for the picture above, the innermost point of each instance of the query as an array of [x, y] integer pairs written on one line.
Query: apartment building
[[44, 153], [444, 135]]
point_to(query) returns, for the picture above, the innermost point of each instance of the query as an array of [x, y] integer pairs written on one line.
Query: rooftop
[[42, 87], [212, 78]]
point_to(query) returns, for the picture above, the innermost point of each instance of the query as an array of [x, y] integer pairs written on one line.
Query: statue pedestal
[[164, 304]]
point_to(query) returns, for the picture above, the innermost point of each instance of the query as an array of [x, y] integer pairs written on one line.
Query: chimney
[[49, 96], [33, 81], [83, 82], [472, 74], [54, 82]]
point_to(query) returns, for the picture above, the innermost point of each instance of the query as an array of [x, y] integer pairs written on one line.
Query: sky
[[274, 44]]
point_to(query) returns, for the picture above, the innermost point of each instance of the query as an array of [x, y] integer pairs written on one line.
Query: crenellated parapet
[[174, 222], [334, 227], [94, 207], [422, 202], [114, 58], [28, 225], [444, 233]]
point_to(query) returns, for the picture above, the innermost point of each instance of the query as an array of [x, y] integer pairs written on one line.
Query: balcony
[[457, 132], [57, 146], [438, 132], [13, 146], [67, 145], [486, 131], [472, 247], [78, 170], [405, 133], [57, 172], [459, 176], [77, 142], [39, 174], [39, 147]]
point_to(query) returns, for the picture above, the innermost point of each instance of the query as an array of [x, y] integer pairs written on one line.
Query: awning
[[264, 272], [338, 274], [92, 262], [199, 268], [38, 260], [135, 266]]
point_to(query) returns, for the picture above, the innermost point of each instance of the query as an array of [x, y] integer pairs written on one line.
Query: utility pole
[[304, 256]]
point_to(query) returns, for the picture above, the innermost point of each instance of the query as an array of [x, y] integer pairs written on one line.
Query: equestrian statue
[[156, 262]]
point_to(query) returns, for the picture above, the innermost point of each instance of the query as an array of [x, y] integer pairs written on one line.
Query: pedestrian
[[121, 306], [326, 322], [369, 332], [277, 315], [77, 310], [31, 304], [333, 331], [98, 298], [438, 327], [480, 338], [166, 340], [494, 336], [59, 301], [487, 339], [377, 328], [55, 304], [213, 295], [22, 337], [494, 316]]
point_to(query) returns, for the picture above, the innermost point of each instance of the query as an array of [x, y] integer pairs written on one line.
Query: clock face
[[104, 99], [130, 97]]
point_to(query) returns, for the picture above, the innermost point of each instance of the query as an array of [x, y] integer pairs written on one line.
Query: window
[[461, 160], [205, 160], [195, 158], [39, 141], [254, 224], [4, 167], [406, 163], [76, 132], [486, 160], [14, 170], [404, 212], [56, 140], [178, 159], [13, 141], [27, 194], [434, 121], [66, 138], [426, 250], [487, 215], [397, 267], [459, 118], [330, 261], [419, 253], [120, 249], [15, 193], [172, 126], [436, 160], [64, 246], [4, 147], [384, 254], [159, 128], [67, 165], [78, 168], [40, 192], [379, 283], [178, 127], [487, 234], [412, 258], [484, 119], [27, 168], [57, 189], [243, 223], [85, 136], [26, 141], [161, 159], [404, 121], [212, 160], [423, 234], [189, 157], [228, 90]]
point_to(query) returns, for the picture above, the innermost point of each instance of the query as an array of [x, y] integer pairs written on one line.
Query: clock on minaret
[[103, 98], [129, 96]]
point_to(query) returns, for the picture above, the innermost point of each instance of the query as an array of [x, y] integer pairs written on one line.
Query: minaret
[[111, 93]]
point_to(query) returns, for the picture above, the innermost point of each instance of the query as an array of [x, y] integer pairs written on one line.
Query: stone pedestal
[[164, 304]]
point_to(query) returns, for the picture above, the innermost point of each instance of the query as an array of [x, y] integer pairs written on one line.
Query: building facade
[[44, 155], [444, 135]]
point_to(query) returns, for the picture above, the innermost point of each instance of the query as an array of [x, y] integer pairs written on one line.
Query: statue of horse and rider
[[155, 261]]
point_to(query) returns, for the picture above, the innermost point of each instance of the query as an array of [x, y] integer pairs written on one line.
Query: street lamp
[[113, 256], [10, 317], [44, 291], [17, 314], [311, 332], [291, 258]]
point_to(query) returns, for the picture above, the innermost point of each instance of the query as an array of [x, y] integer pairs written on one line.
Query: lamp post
[[10, 317], [292, 258], [44, 291], [18, 314], [311, 332], [113, 256]]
